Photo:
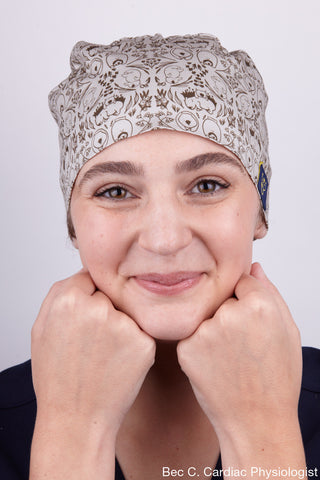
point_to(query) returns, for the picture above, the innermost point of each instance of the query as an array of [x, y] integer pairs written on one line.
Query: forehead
[[161, 148]]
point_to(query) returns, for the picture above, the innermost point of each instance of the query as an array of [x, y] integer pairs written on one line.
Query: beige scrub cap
[[184, 83]]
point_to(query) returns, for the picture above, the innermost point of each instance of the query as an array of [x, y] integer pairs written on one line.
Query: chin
[[165, 324]]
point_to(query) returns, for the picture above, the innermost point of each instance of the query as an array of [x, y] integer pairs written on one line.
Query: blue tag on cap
[[263, 185]]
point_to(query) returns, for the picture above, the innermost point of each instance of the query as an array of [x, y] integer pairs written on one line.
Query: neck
[[164, 402], [166, 390], [166, 369]]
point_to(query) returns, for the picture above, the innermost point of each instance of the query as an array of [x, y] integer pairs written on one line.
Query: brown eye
[[117, 192], [206, 186], [114, 193]]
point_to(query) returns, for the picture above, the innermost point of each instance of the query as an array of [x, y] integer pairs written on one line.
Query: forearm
[[269, 450], [71, 450]]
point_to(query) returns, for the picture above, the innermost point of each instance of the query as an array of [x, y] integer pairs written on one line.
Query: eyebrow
[[189, 165], [123, 167], [199, 161]]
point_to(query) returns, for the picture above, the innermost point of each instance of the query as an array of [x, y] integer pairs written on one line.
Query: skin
[[164, 228], [128, 365]]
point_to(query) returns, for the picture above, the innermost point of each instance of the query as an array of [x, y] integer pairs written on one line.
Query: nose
[[164, 229]]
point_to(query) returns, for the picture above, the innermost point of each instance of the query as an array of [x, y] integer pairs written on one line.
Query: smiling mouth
[[168, 284]]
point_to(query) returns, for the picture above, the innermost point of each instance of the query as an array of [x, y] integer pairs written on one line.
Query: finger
[[230, 302], [248, 284], [258, 282], [258, 273], [81, 280], [101, 296]]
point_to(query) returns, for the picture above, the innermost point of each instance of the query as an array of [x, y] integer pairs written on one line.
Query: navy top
[[18, 413]]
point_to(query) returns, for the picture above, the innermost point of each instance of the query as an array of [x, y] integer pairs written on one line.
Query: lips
[[168, 284]]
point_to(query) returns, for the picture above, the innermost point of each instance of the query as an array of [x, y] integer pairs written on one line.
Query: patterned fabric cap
[[185, 83]]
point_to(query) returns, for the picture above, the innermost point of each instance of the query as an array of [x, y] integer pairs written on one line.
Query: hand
[[245, 363], [88, 359]]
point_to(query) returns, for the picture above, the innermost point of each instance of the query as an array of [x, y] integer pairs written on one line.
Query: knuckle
[[223, 315], [147, 341], [60, 305], [35, 332], [56, 288], [149, 347], [67, 300], [183, 349], [261, 304], [207, 333], [123, 328], [73, 293], [254, 299], [100, 306], [100, 311], [181, 352], [296, 333]]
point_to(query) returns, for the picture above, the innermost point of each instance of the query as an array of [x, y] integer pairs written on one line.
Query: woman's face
[[164, 223]]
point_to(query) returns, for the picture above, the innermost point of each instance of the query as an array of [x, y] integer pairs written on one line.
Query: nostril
[[165, 241]]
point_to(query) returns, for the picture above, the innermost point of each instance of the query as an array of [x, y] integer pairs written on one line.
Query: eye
[[207, 187], [116, 192]]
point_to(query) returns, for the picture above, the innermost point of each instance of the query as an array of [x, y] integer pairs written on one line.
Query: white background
[[282, 37]]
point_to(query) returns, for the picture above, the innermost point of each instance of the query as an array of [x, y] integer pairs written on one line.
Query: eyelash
[[101, 193], [214, 183]]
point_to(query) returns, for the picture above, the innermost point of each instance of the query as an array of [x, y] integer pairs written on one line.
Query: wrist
[[76, 423], [71, 449], [275, 442]]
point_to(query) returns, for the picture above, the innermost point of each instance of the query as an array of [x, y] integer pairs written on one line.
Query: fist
[[88, 359], [245, 363]]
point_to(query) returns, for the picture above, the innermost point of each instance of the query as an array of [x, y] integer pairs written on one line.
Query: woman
[[168, 350]]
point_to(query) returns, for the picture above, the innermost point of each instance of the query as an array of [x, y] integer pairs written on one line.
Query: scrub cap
[[184, 83]]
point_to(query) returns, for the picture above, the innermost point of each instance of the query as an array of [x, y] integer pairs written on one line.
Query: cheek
[[232, 238], [100, 242]]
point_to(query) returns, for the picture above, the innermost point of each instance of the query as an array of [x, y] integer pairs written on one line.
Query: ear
[[261, 228], [75, 243]]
